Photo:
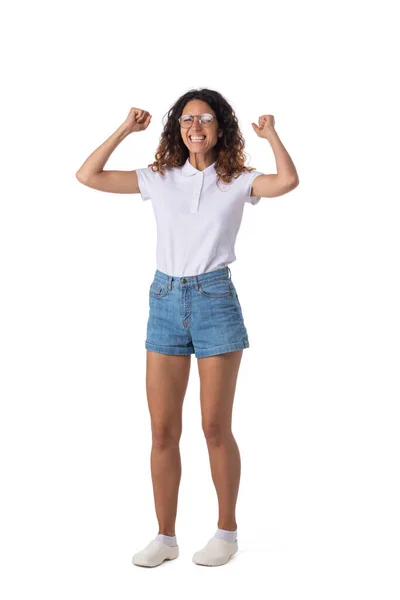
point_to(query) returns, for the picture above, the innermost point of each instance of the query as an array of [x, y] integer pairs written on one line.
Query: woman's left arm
[[287, 178]]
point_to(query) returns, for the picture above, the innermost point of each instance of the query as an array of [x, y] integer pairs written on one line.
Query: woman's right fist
[[137, 120]]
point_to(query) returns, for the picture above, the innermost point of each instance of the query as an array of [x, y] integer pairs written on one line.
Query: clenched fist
[[266, 123], [137, 120]]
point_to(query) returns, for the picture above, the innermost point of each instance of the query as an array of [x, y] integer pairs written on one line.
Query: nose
[[195, 125]]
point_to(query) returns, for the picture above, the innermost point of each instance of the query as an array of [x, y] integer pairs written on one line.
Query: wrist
[[270, 133], [123, 131]]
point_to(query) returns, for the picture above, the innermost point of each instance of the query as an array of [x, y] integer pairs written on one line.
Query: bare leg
[[218, 376], [166, 383]]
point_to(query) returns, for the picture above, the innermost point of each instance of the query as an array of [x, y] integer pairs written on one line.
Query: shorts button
[[184, 280]]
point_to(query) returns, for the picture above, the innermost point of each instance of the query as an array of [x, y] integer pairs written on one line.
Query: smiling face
[[201, 153]]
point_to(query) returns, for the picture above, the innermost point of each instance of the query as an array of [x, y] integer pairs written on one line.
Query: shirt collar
[[188, 169]]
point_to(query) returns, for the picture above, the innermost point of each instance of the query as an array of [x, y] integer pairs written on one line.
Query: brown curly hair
[[172, 151]]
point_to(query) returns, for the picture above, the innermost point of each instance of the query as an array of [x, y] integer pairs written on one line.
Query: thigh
[[167, 378], [218, 377]]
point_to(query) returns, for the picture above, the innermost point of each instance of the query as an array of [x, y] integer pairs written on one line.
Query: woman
[[198, 185]]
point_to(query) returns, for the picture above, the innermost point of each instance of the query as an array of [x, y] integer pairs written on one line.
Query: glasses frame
[[199, 118]]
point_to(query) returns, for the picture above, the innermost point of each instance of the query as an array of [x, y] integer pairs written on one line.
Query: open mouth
[[197, 138]]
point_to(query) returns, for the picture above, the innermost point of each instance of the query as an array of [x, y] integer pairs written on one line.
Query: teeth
[[197, 139]]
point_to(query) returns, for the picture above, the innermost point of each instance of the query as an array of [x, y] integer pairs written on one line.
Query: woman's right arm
[[91, 172]]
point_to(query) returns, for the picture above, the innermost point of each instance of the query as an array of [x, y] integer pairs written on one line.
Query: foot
[[215, 553], [154, 554]]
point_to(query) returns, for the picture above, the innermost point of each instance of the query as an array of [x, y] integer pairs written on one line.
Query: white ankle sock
[[224, 534], [170, 540]]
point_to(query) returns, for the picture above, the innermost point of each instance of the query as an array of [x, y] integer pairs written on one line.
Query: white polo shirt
[[197, 221]]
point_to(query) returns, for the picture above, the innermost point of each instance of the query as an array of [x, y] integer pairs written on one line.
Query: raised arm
[[92, 172], [286, 179]]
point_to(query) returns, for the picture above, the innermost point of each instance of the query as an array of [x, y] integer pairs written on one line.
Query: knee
[[165, 436], [215, 433]]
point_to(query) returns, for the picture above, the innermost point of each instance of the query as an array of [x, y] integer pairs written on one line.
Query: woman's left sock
[[224, 534]]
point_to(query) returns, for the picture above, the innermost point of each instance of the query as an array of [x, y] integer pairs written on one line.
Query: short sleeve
[[248, 179], [145, 178]]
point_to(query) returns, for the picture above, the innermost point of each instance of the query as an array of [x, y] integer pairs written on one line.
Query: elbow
[[80, 177]]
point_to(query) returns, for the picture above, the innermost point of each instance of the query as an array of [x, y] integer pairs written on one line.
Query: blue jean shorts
[[200, 314]]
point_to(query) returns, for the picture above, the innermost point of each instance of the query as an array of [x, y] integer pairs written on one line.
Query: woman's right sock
[[170, 540]]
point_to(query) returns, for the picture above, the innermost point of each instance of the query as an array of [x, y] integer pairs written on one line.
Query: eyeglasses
[[187, 120]]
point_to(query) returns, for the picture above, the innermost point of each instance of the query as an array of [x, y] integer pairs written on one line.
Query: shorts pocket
[[219, 288], [236, 298], [158, 290]]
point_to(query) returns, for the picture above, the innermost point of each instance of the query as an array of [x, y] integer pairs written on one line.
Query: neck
[[202, 161]]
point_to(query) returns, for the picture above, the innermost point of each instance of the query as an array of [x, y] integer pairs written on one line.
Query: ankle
[[227, 526]]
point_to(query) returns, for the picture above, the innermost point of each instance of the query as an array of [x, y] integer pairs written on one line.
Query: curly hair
[[172, 151]]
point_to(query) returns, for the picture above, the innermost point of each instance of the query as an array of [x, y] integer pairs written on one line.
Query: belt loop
[[170, 283], [229, 272], [196, 282]]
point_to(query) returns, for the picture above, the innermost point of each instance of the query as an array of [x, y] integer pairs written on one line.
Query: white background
[[317, 272]]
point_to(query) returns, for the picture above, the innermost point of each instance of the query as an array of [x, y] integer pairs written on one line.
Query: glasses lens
[[206, 119], [186, 120]]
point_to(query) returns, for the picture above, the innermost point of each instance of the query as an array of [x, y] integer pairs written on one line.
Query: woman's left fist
[[265, 124]]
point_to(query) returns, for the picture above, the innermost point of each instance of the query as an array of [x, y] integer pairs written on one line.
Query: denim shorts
[[200, 314]]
